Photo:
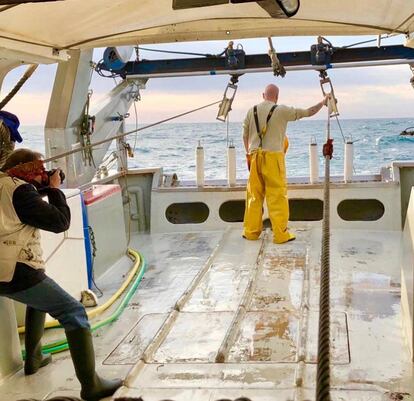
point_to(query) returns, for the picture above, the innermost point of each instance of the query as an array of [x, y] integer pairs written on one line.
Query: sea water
[[172, 146]]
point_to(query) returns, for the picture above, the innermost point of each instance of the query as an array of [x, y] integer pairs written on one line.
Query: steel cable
[[323, 367]]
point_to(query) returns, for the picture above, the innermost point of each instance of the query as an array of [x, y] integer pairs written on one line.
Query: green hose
[[62, 345]]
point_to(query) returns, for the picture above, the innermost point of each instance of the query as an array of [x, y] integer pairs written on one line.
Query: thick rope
[[323, 369], [92, 145], [30, 70]]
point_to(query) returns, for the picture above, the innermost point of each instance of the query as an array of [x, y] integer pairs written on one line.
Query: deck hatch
[[360, 209], [187, 213]]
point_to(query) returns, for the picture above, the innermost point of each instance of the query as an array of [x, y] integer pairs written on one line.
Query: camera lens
[[62, 176]]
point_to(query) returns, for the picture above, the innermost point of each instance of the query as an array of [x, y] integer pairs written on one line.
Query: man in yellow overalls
[[265, 141]]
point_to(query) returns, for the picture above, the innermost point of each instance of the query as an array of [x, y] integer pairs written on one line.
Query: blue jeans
[[47, 296]]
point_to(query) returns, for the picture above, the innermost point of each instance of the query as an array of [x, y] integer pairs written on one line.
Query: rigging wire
[[369, 41], [92, 145], [177, 52], [340, 128]]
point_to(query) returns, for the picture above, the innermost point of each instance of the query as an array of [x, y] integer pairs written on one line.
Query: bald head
[[271, 93]]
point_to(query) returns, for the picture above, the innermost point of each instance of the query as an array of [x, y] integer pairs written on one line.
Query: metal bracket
[[329, 91], [225, 105], [321, 53], [277, 66], [235, 57]]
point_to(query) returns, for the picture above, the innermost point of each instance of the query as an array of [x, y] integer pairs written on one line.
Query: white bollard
[[313, 162], [349, 161], [200, 165], [231, 165]]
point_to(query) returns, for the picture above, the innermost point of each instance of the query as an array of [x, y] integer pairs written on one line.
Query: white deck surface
[[253, 306]]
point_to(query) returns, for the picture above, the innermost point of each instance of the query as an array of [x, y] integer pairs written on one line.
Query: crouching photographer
[[24, 182]]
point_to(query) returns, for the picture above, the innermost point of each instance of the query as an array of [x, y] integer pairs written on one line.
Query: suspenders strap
[[262, 133]]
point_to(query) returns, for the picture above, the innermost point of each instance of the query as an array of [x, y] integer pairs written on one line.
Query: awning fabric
[[46, 30]]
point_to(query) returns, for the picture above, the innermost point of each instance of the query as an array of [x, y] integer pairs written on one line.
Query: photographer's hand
[[54, 180]]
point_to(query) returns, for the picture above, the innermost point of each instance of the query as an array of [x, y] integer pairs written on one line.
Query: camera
[[49, 173]]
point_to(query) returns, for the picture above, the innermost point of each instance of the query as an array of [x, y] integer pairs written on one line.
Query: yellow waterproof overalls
[[267, 179]]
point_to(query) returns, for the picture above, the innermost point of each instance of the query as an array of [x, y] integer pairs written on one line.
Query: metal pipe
[[269, 69]]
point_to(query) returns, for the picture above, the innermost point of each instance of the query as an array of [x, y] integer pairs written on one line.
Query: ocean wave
[[172, 146], [393, 139]]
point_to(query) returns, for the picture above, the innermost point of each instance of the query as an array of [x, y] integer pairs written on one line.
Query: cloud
[[354, 101], [361, 92]]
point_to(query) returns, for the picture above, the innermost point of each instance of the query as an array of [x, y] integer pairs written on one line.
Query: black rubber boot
[[35, 326], [83, 356]]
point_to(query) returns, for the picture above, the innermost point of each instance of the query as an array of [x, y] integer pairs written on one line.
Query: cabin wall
[[407, 275], [406, 182]]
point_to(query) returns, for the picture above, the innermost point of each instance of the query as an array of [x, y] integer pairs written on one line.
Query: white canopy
[[43, 31]]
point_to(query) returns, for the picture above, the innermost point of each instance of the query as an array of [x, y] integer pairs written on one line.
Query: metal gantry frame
[[291, 61]]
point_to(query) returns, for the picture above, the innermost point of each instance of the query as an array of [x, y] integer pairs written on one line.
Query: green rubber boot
[[35, 326], [83, 356]]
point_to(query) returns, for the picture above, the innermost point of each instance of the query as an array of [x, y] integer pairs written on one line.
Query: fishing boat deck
[[217, 316]]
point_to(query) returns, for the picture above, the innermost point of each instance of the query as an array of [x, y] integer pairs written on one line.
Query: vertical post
[[348, 161], [200, 165], [231, 165], [67, 103], [313, 162]]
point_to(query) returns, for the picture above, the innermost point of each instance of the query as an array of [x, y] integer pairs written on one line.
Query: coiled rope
[[323, 368]]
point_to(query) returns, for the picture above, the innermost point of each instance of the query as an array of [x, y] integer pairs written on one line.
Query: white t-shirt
[[276, 127]]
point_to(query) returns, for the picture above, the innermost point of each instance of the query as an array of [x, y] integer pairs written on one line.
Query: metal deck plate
[[266, 296]]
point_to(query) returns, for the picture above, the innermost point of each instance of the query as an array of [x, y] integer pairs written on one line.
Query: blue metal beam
[[214, 64]]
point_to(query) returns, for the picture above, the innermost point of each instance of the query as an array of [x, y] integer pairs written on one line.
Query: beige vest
[[18, 242]]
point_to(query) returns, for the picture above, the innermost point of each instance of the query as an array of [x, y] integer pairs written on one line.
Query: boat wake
[[387, 140]]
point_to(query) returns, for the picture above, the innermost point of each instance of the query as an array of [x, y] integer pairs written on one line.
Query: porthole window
[[361, 209], [187, 213], [232, 211]]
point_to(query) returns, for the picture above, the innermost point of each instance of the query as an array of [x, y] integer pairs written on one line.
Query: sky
[[375, 92]]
